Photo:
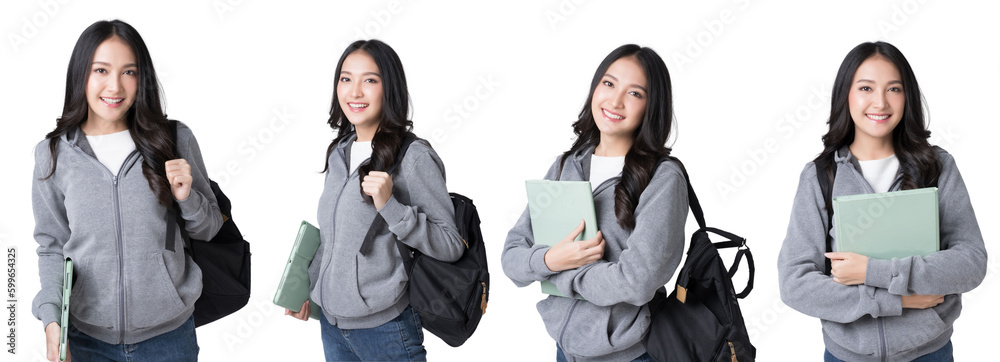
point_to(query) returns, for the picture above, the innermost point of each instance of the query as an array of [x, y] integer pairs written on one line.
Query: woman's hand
[[378, 185], [569, 254], [917, 301], [179, 176], [848, 268], [52, 334], [303, 313]]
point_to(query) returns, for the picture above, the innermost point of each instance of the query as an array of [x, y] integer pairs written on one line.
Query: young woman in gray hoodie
[[366, 309], [103, 182], [641, 206], [871, 309]]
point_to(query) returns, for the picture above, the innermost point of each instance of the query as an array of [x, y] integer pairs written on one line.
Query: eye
[[345, 79], [896, 89], [865, 89], [100, 70], [131, 72], [607, 83], [371, 80], [636, 94]]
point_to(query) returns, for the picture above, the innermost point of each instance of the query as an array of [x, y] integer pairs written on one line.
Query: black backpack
[[450, 297], [701, 320], [224, 260]]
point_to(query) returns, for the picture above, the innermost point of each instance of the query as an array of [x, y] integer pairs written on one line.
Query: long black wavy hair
[[918, 160], [393, 122], [145, 120], [649, 140]]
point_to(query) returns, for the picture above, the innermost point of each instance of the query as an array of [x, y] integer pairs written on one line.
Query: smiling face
[[359, 90], [619, 101], [876, 100], [113, 82]]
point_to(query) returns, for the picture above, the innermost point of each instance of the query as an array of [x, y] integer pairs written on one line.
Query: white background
[[751, 82]]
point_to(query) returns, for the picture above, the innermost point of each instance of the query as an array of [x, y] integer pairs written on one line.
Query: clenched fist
[[179, 177], [378, 185]]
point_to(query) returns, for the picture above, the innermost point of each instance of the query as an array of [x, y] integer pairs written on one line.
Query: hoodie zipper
[[566, 322], [600, 188], [878, 321], [118, 232], [123, 312], [347, 166], [881, 336]]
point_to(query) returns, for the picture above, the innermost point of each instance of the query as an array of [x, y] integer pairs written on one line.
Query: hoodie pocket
[[94, 297], [152, 295], [913, 329], [588, 330], [860, 336]]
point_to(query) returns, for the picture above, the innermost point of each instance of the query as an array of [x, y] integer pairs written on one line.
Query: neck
[[612, 146], [365, 134], [866, 149], [96, 127]]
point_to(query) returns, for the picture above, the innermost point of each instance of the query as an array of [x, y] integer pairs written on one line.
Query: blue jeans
[[945, 354], [180, 344], [560, 357], [401, 339]]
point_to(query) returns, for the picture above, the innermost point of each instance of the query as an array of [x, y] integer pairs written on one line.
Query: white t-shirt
[[360, 151], [112, 149], [880, 173], [603, 168]]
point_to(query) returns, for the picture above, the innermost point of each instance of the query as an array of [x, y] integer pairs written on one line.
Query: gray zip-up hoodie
[[611, 323], [128, 287], [357, 291], [867, 322]]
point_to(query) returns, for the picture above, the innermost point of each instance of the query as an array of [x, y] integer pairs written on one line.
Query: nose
[[113, 83], [355, 90], [617, 98], [879, 100]]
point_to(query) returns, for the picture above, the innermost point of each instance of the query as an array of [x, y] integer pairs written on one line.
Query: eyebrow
[[366, 73], [871, 81], [634, 85], [109, 64]]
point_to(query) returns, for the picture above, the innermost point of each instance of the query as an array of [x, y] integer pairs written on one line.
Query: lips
[[877, 117], [112, 101], [357, 107], [612, 116]]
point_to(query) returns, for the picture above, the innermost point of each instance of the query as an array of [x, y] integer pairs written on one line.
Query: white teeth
[[877, 118], [357, 106], [611, 115], [112, 101]]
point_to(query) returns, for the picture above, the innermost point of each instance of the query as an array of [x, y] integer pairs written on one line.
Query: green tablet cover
[[888, 225], [64, 320], [294, 286], [556, 208]]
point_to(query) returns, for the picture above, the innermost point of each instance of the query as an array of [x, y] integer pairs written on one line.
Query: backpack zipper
[[483, 304]]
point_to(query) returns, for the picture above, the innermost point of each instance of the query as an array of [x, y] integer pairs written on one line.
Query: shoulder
[[419, 155], [946, 159], [184, 133], [42, 151]]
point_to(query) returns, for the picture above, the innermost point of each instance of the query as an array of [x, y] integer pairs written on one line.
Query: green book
[[64, 317], [556, 208], [293, 289], [888, 225]]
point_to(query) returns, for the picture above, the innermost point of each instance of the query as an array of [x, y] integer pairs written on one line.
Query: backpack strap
[[826, 174], [734, 241], [174, 213], [379, 222]]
